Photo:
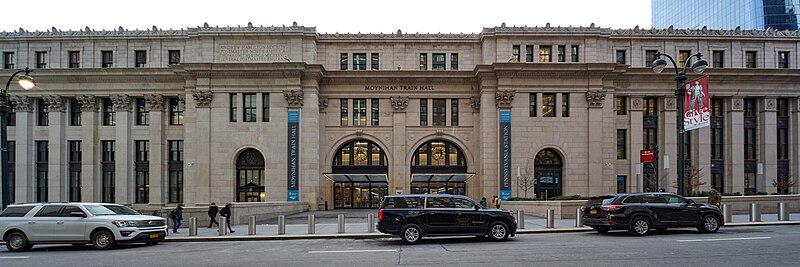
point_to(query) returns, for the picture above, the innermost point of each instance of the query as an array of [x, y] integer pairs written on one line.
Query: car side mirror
[[77, 214], [477, 207]]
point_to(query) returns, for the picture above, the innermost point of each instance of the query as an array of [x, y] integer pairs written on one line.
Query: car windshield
[[101, 210]]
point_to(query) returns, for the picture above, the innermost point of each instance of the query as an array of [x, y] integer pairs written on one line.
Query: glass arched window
[[547, 169], [250, 176], [439, 153], [359, 154], [439, 167]]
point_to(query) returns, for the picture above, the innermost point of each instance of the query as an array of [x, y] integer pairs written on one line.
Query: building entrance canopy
[[441, 177], [374, 178]]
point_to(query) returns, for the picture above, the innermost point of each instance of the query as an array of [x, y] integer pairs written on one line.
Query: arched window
[[439, 167], [547, 169], [250, 176], [359, 176]]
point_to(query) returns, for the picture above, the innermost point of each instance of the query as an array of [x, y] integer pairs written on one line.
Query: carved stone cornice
[[155, 102], [21, 103], [121, 102], [202, 99], [596, 98], [475, 102], [55, 103], [399, 103], [89, 103], [294, 98], [503, 98], [323, 103]]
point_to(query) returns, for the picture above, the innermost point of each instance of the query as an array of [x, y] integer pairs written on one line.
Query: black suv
[[641, 212], [414, 216]]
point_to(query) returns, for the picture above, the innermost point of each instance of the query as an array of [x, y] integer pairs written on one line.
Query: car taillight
[[611, 207], [380, 215], [583, 208]]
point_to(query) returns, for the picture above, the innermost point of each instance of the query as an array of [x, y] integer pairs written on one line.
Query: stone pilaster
[[198, 149], [595, 100], [90, 148], [488, 146], [158, 181], [310, 157], [701, 155], [794, 150], [24, 180], [767, 145], [124, 172], [668, 144], [58, 178], [734, 145], [636, 144]]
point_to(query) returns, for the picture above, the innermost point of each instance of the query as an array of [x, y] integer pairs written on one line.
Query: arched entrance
[[250, 176], [547, 169], [359, 175], [439, 167]]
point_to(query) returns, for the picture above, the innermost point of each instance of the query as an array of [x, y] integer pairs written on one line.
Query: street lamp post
[[698, 67], [26, 82]]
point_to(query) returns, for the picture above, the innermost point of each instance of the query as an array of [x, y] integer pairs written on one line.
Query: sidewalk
[[356, 227]]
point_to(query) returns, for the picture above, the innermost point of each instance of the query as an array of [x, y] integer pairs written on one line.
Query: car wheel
[[498, 231], [17, 242], [151, 242], [601, 229], [411, 234], [640, 226], [103, 240], [710, 224]]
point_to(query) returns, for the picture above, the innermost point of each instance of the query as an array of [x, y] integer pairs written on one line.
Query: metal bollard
[[340, 223], [755, 212], [578, 219], [726, 212], [193, 226], [551, 218], [783, 211], [251, 225], [370, 223], [223, 226], [311, 224], [520, 219], [281, 225]]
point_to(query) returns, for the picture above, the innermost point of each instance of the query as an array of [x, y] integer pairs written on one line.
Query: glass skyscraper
[[726, 14]]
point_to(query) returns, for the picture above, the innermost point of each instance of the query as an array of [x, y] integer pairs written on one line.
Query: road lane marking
[[351, 251], [725, 239], [15, 257]]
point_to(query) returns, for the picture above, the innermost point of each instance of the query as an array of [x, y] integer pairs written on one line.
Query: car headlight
[[124, 223]]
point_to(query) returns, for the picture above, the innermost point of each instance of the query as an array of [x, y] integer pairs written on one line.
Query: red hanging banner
[[696, 104]]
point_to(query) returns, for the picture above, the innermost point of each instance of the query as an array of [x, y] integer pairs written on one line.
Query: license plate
[[153, 235], [593, 212]]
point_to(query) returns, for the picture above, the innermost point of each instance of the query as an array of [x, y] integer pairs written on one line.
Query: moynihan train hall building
[[287, 114]]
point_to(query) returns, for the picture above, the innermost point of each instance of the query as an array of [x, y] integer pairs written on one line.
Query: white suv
[[101, 224]]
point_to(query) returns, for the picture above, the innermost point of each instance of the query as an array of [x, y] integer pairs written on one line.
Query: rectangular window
[[41, 171], [74, 112], [649, 57], [250, 108], [175, 111], [621, 57], [621, 105], [783, 107], [343, 61], [43, 116], [109, 113], [174, 57], [74, 163], [650, 107], [562, 53], [649, 138], [749, 143], [783, 60], [439, 61], [142, 186], [622, 144], [108, 58], [109, 182], [74, 59], [749, 182], [718, 59], [108, 150], [176, 186], [41, 151], [375, 61], [343, 112], [564, 104], [548, 105], [716, 107], [783, 143], [265, 107], [622, 182], [750, 59], [453, 112], [142, 162], [515, 53], [74, 186], [575, 55], [532, 105], [74, 151], [142, 150], [41, 60], [140, 58], [359, 112], [528, 53], [423, 61], [176, 150], [11, 119], [359, 61], [375, 111], [142, 112], [750, 107], [544, 53], [12, 158], [439, 112], [453, 61], [683, 55], [232, 99], [423, 112], [717, 144], [8, 60]]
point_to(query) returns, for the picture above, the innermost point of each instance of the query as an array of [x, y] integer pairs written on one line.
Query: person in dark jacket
[[483, 202], [226, 212], [176, 215], [213, 209], [714, 198]]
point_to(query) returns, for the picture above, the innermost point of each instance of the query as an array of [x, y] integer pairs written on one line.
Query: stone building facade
[[262, 114]]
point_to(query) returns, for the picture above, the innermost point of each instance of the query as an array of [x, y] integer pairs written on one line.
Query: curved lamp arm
[[26, 71]]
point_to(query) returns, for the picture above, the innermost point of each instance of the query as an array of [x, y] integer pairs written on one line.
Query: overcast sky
[[424, 16]]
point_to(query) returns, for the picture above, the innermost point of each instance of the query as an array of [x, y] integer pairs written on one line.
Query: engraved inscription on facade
[[251, 53]]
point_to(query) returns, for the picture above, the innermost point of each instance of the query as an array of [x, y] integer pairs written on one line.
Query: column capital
[[202, 99], [399, 103], [503, 98], [323, 103], [121, 102], [21, 103], [155, 102], [55, 103], [88, 103], [294, 98], [595, 98], [670, 103], [770, 105], [737, 104], [475, 102]]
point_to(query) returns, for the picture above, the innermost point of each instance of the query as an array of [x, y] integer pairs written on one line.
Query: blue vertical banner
[[505, 154], [293, 158]]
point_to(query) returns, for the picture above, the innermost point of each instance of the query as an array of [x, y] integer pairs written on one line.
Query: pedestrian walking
[[176, 215], [213, 209], [483, 202], [496, 202], [226, 212], [714, 198]]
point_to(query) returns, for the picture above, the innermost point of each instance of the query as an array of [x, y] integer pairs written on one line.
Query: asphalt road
[[740, 246]]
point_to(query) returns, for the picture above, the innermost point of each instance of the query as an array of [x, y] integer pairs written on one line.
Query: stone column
[[794, 140], [767, 145], [158, 181], [124, 175], [58, 180], [487, 155], [198, 149], [635, 144], [595, 99], [399, 178], [90, 158], [25, 176], [310, 156], [668, 144], [701, 155], [734, 145]]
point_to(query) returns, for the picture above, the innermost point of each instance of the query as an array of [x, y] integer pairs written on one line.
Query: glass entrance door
[[359, 195]]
